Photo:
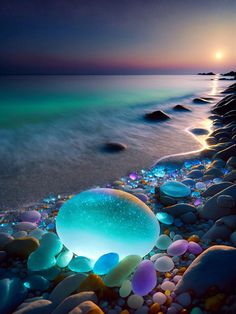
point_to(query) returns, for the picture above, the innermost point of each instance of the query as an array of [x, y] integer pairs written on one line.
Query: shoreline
[[191, 219]]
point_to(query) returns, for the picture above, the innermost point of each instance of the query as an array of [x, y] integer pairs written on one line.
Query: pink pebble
[[178, 248], [194, 248], [30, 216]]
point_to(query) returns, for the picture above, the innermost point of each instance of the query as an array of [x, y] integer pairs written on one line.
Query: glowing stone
[[105, 263], [80, 264], [175, 189], [165, 218], [163, 242], [100, 221], [178, 248], [164, 264]]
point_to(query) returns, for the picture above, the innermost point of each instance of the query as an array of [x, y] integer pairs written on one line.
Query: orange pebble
[[124, 312], [154, 309], [184, 311], [168, 275], [167, 232], [182, 270], [194, 238]]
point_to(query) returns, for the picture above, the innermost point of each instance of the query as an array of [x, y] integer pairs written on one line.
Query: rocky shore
[[191, 269]]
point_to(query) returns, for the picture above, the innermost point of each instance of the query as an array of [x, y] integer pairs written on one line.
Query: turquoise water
[[53, 128]]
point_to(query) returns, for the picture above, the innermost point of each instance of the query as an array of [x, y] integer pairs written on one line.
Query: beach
[[190, 269]]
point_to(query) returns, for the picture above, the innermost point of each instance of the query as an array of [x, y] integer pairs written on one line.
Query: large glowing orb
[[101, 221]]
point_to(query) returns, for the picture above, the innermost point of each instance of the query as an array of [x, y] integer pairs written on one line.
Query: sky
[[117, 36]]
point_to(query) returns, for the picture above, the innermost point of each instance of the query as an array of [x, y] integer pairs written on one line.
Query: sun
[[218, 55]]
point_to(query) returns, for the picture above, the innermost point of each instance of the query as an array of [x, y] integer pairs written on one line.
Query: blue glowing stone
[[105, 263], [100, 221], [80, 264], [165, 218], [175, 189]]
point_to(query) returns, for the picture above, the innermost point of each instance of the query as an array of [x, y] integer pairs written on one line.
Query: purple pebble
[[178, 248], [194, 248], [144, 279], [30, 216]]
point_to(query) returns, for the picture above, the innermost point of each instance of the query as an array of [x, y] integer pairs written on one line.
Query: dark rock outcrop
[[181, 108], [201, 101], [157, 115], [114, 147]]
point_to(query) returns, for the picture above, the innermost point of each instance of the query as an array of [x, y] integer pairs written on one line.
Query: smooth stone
[[36, 307], [122, 271], [216, 188], [22, 247], [130, 216], [37, 233], [25, 226], [195, 174], [226, 153], [37, 282], [12, 294], [163, 242], [213, 267], [201, 186], [217, 232], [175, 189], [80, 264], [212, 211], [64, 258], [44, 257], [157, 115], [164, 264], [5, 238], [105, 263], [194, 248], [30, 216], [167, 200], [135, 301], [184, 299], [181, 108], [225, 201], [213, 171], [189, 182], [199, 131], [231, 176], [168, 285], [178, 248], [189, 218], [71, 302], [144, 278], [125, 288], [87, 307], [165, 218], [159, 298], [180, 209], [114, 147], [65, 288], [20, 234], [228, 221]]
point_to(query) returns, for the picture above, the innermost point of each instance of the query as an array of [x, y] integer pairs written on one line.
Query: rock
[[215, 172], [216, 188], [22, 247], [178, 248], [37, 282], [163, 242], [225, 201], [122, 271], [200, 101], [194, 248], [228, 221], [217, 232], [5, 238], [189, 218], [231, 176], [125, 288], [135, 301], [175, 189], [20, 234], [159, 298], [214, 267], [184, 299], [89, 213], [114, 147], [164, 264], [71, 302], [180, 209], [231, 162], [181, 108], [158, 115], [167, 201], [36, 307], [26, 226], [226, 153], [65, 288], [44, 257], [144, 278], [87, 307], [30, 216], [80, 264], [12, 294], [199, 131], [106, 263], [64, 258], [212, 211], [195, 174]]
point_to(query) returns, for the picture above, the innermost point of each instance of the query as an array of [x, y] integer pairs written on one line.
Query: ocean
[[53, 129]]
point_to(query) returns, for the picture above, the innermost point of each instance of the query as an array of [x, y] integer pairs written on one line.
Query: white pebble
[[135, 301], [159, 298]]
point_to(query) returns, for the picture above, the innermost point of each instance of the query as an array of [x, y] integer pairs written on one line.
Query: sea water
[[53, 128]]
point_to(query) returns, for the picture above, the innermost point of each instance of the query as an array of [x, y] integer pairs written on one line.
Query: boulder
[[211, 210], [214, 267], [157, 115], [216, 188], [217, 232]]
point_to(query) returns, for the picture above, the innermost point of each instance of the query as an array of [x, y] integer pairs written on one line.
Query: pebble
[[86, 307], [122, 271], [175, 189], [168, 285], [225, 201], [164, 264], [36, 282], [163, 242], [144, 278], [30, 216], [106, 263], [22, 247], [194, 248], [159, 298], [165, 218], [135, 301], [125, 288], [25, 226], [80, 264], [5, 238], [64, 258], [184, 299], [178, 248], [20, 234], [37, 233]]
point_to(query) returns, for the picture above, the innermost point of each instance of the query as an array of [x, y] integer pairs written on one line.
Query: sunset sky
[[117, 37]]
